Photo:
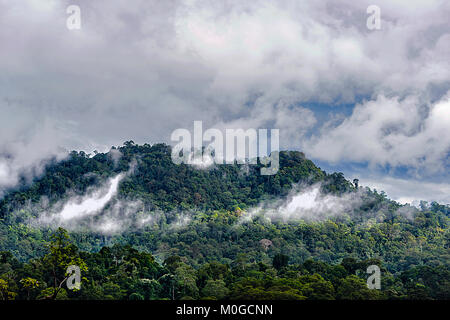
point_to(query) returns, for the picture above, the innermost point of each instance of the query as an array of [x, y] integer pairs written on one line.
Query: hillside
[[226, 226]]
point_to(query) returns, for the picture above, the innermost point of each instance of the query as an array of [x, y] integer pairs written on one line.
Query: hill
[[258, 230]]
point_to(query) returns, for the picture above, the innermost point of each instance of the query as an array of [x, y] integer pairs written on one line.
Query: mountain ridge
[[186, 206]]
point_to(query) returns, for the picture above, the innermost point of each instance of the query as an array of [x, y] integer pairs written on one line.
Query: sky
[[374, 104]]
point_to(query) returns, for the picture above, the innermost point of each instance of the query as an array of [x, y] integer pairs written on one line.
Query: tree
[[172, 263], [316, 287], [279, 261], [350, 264], [186, 281], [62, 254], [136, 296], [5, 292], [29, 284], [354, 288], [215, 289]]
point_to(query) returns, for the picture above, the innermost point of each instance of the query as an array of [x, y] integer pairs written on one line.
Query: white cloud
[[389, 131], [90, 205], [410, 190], [78, 208], [308, 203], [25, 153], [138, 71]]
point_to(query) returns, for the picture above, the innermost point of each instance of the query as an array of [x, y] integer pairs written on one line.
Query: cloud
[[69, 213], [25, 154], [138, 71], [101, 210], [389, 131], [410, 190], [292, 120], [308, 204], [181, 221], [91, 204], [185, 59], [115, 156]]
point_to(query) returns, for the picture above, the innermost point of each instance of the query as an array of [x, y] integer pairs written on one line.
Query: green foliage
[[280, 261], [218, 255], [122, 272], [5, 291], [215, 289]]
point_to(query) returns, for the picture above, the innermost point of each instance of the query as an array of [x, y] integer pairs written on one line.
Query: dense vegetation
[[216, 254], [122, 272]]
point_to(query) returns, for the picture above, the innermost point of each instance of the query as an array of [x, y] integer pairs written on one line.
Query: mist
[[308, 203], [91, 204], [77, 210], [101, 210]]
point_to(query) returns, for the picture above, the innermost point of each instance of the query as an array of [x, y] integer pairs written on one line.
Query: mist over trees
[[215, 253]]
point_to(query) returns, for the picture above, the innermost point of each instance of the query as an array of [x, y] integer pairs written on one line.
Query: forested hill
[[167, 186], [223, 224]]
